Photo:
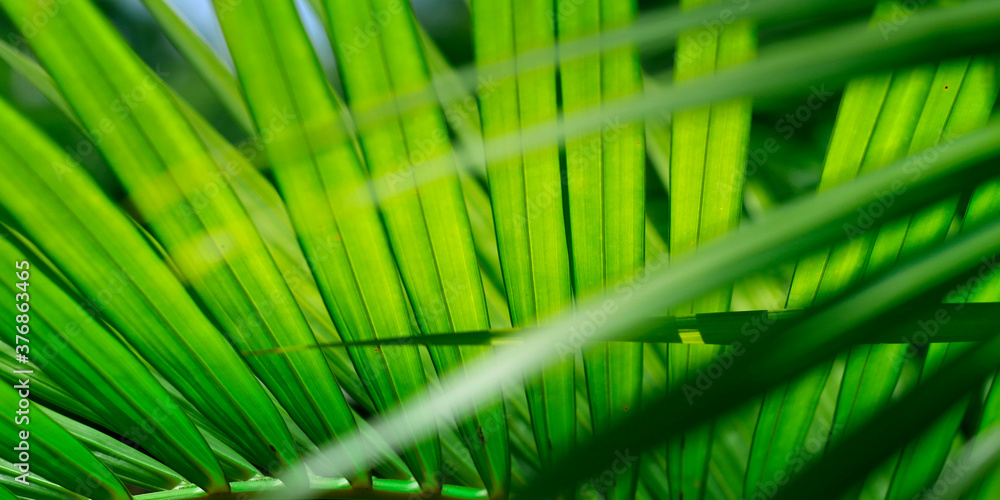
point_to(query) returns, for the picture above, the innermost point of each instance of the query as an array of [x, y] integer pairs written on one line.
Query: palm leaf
[[772, 240], [183, 159], [975, 88], [526, 193], [130, 465], [330, 209], [324, 249], [605, 180], [54, 453], [708, 159], [428, 227], [883, 113], [134, 313], [88, 360], [771, 359]]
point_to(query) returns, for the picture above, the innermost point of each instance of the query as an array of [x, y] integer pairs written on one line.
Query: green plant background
[[501, 248]]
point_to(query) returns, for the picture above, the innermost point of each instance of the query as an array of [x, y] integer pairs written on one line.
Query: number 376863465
[[21, 302]]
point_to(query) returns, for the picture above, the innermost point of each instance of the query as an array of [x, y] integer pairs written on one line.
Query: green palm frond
[[336, 251]]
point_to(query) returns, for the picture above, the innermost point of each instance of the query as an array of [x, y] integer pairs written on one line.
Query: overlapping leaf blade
[[130, 465], [214, 245], [526, 194], [91, 362], [963, 91], [861, 397], [262, 202], [197, 52], [708, 159], [324, 185], [774, 359], [52, 452], [605, 178], [107, 258], [891, 115], [427, 226]]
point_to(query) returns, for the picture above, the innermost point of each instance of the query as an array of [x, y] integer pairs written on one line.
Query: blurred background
[[790, 170], [788, 140], [789, 134], [788, 137]]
